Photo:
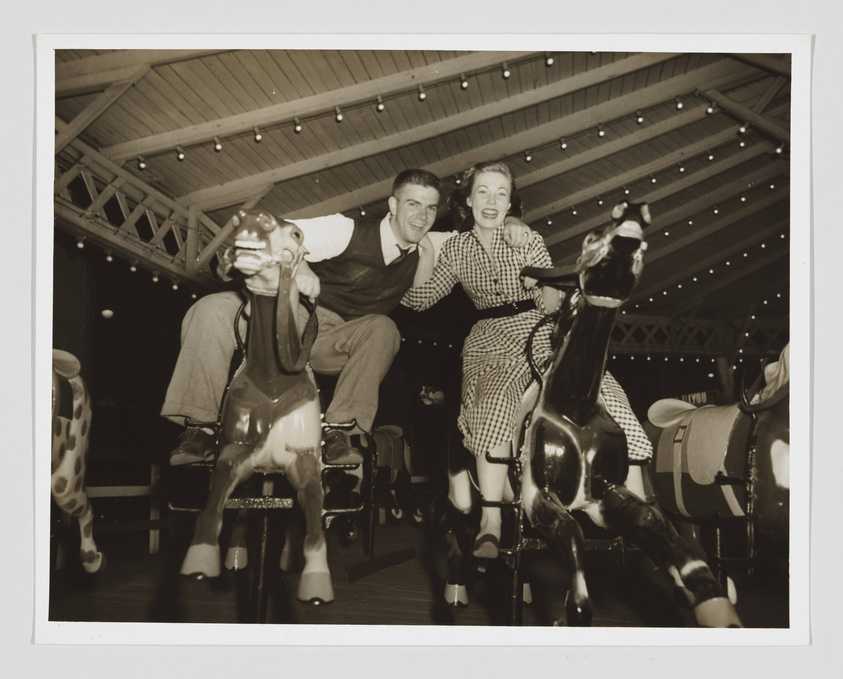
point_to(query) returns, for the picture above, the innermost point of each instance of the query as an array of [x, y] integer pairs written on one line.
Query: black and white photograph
[[470, 351], [423, 337]]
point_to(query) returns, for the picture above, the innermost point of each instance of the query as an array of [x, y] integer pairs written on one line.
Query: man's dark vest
[[357, 282]]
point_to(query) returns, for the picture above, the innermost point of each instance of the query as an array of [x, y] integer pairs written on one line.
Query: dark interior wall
[[127, 358]]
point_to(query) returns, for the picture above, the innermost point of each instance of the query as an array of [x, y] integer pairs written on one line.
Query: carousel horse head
[[612, 259], [275, 248], [269, 241]]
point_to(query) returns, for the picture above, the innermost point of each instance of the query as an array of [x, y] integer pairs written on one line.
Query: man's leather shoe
[[338, 448], [196, 446]]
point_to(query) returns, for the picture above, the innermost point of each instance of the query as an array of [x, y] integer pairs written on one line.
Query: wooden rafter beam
[[659, 194], [238, 190], [343, 97], [729, 312], [771, 93], [537, 136], [742, 113], [638, 173], [637, 333], [93, 74], [95, 109], [103, 233], [702, 265], [210, 250], [768, 63], [730, 280], [94, 157]]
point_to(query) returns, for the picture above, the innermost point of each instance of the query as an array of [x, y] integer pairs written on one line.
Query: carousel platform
[[401, 584]]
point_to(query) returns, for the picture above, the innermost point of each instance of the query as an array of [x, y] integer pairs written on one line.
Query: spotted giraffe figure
[[69, 455]]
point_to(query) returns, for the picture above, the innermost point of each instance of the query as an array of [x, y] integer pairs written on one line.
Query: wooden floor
[[138, 587]]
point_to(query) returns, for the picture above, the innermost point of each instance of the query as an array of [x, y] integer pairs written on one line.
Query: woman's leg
[[491, 477]]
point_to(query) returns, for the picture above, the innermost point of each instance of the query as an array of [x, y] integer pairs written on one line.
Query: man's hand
[[248, 262], [307, 282], [516, 234], [427, 256]]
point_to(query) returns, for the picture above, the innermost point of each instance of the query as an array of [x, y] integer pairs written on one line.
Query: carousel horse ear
[[618, 210], [645, 213], [668, 411], [66, 364]]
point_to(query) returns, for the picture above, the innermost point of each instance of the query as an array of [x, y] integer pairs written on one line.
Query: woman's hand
[[516, 234], [249, 263]]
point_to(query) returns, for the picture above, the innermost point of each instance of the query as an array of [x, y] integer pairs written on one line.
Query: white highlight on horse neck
[[297, 432], [780, 458]]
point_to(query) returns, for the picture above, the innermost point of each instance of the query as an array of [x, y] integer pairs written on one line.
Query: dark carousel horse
[[572, 454], [718, 464], [271, 419]]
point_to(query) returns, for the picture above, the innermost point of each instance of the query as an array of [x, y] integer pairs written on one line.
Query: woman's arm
[[434, 286], [538, 255]]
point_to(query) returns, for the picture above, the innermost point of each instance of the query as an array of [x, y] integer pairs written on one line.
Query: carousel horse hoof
[[527, 594], [577, 614], [731, 591], [683, 597], [201, 561], [94, 563], [236, 558], [456, 595], [717, 612], [291, 561], [315, 588], [480, 565], [486, 547]]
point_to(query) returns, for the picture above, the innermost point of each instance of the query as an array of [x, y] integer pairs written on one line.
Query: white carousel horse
[[271, 418], [70, 455], [719, 463]]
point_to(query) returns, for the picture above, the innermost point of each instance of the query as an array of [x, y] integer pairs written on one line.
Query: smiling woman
[[495, 367]]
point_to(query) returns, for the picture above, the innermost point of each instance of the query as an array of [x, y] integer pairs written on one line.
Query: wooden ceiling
[[578, 129]]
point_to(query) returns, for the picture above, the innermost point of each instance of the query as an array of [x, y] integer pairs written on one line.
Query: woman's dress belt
[[508, 309]]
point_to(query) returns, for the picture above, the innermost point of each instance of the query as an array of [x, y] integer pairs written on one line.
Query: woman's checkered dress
[[495, 367]]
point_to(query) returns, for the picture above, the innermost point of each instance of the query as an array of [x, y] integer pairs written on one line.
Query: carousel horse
[[720, 463], [70, 453], [270, 419], [571, 453]]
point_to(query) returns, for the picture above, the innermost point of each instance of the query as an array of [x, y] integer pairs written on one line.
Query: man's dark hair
[[416, 176]]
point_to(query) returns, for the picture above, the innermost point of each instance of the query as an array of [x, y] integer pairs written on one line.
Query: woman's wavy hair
[[461, 212]]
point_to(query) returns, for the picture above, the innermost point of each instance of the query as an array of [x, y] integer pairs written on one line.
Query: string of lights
[[380, 104]]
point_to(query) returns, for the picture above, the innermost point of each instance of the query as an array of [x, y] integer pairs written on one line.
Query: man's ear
[[393, 205]]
